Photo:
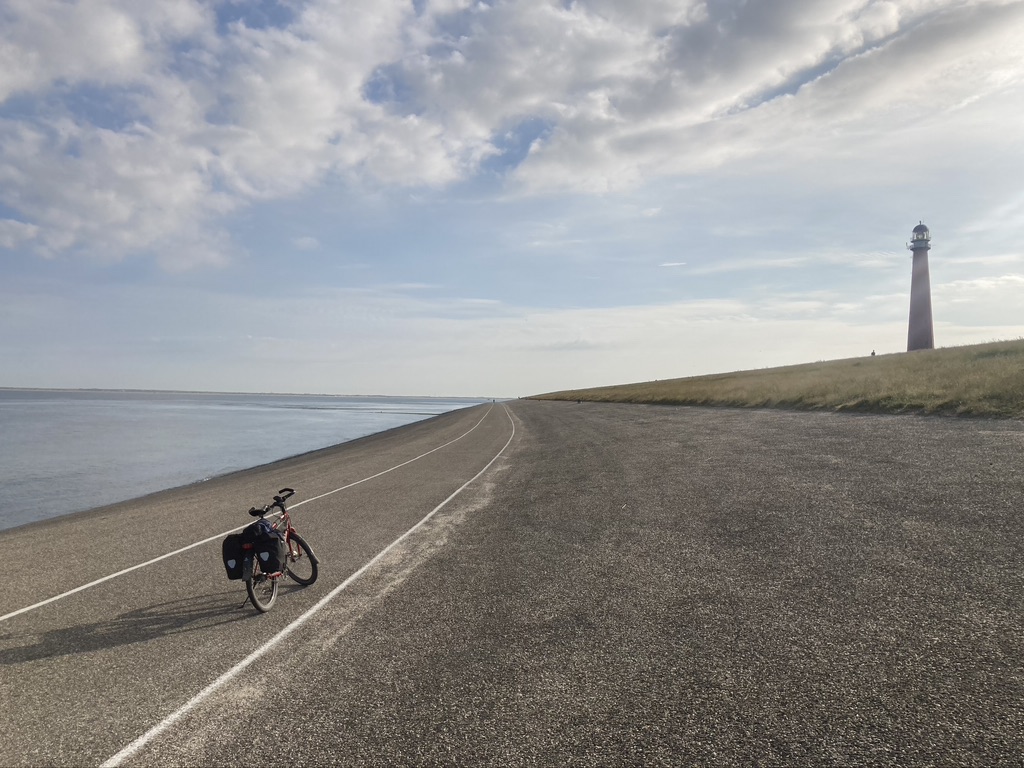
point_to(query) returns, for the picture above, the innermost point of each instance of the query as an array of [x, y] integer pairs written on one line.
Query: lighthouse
[[919, 334]]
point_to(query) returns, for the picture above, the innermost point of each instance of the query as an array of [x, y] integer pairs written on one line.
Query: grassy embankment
[[977, 380]]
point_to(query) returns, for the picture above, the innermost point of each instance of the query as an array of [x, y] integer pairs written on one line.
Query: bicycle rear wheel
[[262, 590], [300, 563]]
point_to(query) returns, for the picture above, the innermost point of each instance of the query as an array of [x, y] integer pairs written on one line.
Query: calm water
[[62, 452]]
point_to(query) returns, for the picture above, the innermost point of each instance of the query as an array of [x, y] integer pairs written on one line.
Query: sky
[[497, 198]]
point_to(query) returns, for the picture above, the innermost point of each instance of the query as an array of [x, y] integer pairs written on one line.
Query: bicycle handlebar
[[279, 500]]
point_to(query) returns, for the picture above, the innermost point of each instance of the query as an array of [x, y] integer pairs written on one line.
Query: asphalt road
[[622, 585]]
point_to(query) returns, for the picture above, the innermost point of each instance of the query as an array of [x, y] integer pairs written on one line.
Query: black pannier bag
[[270, 552], [232, 551], [267, 546]]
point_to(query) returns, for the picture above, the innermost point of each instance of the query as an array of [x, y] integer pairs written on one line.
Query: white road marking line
[[70, 592], [192, 703]]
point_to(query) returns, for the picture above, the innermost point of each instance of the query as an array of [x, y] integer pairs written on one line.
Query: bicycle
[[298, 561]]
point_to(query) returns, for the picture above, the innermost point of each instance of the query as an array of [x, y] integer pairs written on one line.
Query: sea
[[63, 451]]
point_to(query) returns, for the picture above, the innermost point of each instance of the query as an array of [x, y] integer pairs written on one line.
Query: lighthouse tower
[[919, 335]]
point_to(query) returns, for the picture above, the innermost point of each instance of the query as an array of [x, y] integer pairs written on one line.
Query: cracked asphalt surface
[[626, 585]]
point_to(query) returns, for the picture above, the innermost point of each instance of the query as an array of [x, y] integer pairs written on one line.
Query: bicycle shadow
[[136, 626]]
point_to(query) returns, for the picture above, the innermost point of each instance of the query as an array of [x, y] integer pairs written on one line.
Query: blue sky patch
[[514, 145], [388, 86], [257, 14]]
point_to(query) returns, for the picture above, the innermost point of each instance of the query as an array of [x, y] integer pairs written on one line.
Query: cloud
[[13, 233], [110, 193], [979, 302], [50, 43], [785, 88], [138, 129], [749, 264]]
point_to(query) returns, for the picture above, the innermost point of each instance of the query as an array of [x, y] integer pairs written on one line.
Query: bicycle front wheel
[[262, 590], [300, 563]]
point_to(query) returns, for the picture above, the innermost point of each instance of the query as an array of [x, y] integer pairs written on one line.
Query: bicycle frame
[[288, 529], [284, 524]]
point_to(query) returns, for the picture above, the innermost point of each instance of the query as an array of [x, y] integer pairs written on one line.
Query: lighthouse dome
[[920, 228]]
